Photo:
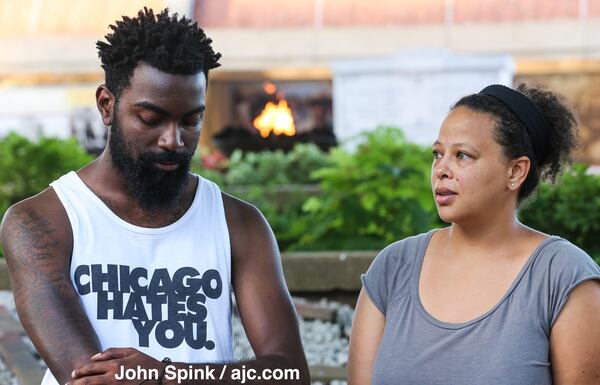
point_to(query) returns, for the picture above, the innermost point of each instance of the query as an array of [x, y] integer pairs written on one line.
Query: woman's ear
[[105, 102], [518, 171]]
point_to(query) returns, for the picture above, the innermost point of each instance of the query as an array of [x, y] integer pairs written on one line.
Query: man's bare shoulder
[[43, 207], [35, 230], [240, 213], [250, 234]]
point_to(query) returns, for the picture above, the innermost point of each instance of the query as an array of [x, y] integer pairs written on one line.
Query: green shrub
[[371, 197], [27, 167], [281, 205], [570, 209], [364, 199], [214, 175], [267, 167], [275, 167], [275, 182]]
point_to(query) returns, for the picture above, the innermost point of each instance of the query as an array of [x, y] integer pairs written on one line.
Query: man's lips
[[444, 196], [167, 166]]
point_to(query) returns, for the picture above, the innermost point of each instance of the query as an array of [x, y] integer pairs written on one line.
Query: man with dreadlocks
[[127, 263]]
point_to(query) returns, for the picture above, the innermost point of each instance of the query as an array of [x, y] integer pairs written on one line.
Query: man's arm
[[37, 241], [264, 304], [265, 307]]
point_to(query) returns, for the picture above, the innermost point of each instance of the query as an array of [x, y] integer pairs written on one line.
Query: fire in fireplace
[[276, 118], [268, 115]]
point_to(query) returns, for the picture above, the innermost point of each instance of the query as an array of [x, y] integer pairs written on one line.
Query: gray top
[[507, 345]]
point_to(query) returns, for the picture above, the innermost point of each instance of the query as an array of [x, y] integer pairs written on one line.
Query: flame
[[277, 118], [270, 88]]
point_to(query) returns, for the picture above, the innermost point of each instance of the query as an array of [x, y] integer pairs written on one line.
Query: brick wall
[[342, 13], [66, 17], [493, 11]]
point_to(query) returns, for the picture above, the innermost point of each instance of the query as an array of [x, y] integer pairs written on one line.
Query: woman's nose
[[442, 169]]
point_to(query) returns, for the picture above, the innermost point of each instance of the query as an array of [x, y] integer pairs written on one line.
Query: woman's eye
[[463, 155], [436, 155]]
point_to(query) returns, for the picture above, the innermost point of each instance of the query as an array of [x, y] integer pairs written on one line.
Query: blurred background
[[321, 115], [342, 66]]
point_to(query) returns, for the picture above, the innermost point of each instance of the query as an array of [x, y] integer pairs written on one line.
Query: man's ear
[[105, 101], [518, 172]]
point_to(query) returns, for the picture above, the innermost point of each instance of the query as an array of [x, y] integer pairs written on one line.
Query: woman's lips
[[444, 196]]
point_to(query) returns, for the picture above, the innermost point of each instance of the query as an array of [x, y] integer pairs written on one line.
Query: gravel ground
[[6, 299], [325, 343]]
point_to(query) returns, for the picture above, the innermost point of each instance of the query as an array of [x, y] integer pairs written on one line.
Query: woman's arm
[[367, 329], [575, 338]]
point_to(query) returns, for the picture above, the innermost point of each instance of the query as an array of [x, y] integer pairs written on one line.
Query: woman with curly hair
[[486, 300]]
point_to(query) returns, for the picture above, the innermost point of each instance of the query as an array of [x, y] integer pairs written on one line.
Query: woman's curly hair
[[511, 134]]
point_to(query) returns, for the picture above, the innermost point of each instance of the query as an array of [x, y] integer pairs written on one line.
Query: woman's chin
[[446, 215]]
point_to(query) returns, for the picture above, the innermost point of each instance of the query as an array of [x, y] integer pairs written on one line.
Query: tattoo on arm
[[38, 258]]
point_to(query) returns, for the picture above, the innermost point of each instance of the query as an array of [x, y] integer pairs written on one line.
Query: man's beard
[[152, 188]]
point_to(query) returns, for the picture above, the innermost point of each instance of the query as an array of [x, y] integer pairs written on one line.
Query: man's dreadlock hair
[[169, 44]]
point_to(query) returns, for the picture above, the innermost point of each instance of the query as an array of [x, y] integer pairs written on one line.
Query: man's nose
[[171, 138]]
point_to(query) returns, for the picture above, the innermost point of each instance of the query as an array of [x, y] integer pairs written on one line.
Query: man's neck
[[106, 182]]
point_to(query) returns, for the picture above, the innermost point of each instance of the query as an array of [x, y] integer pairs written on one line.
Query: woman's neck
[[491, 232]]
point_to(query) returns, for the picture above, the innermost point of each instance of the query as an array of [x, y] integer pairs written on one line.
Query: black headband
[[528, 114]]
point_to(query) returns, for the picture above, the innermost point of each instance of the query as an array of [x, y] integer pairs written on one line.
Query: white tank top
[[164, 291]]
